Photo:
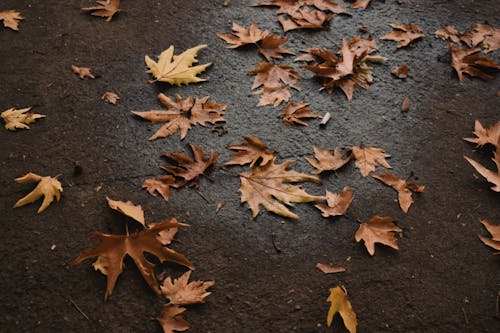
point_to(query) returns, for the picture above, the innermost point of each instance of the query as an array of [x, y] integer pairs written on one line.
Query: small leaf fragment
[[379, 229], [337, 204], [329, 269], [405, 104], [340, 304], [401, 72], [161, 185], [128, 209], [48, 187], [15, 119], [180, 292], [105, 8], [171, 319], [110, 97], [82, 72], [494, 230]]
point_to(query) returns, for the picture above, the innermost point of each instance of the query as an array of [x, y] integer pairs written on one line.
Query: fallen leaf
[[11, 19], [183, 113], [171, 319], [219, 206], [379, 229], [326, 161], [470, 62], [340, 304], [161, 185], [112, 249], [482, 34], [180, 292], [82, 72], [401, 72], [106, 8], [448, 33], [367, 159], [48, 187], [490, 135], [15, 119], [492, 177], [129, 209], [405, 104], [271, 48], [295, 112], [404, 34], [363, 4], [494, 230], [269, 186], [110, 97], [403, 188], [328, 269], [250, 151], [337, 204]]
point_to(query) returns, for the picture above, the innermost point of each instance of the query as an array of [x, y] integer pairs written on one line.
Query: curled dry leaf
[[82, 72], [161, 185], [326, 161], [105, 8], [379, 229], [48, 187], [110, 97], [11, 19], [180, 292], [401, 186], [494, 230], [15, 119], [404, 34], [340, 304], [112, 249], [484, 35], [329, 269], [295, 112], [470, 62], [171, 319], [129, 209], [492, 177], [337, 204], [251, 151], [448, 33], [490, 135], [401, 72], [405, 104], [367, 159]]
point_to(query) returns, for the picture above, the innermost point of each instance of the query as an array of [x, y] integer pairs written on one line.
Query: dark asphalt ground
[[443, 279]]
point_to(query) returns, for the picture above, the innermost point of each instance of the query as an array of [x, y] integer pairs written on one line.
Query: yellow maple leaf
[[176, 69], [19, 118], [11, 18], [340, 304], [48, 187]]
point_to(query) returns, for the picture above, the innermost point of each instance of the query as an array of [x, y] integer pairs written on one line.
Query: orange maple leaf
[[470, 62], [379, 229], [324, 160], [250, 151], [404, 34], [180, 292]]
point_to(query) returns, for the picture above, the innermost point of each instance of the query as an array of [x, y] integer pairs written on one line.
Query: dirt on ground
[[442, 279]]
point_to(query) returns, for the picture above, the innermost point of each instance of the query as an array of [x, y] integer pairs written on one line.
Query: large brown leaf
[[105, 8], [490, 135], [367, 159], [337, 204], [180, 292], [250, 151], [324, 160], [48, 187], [379, 229], [112, 249], [494, 230], [171, 319], [470, 62], [482, 34], [295, 113], [404, 34], [492, 177], [401, 186]]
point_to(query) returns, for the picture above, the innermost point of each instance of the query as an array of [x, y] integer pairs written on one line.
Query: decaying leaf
[[403, 188], [187, 168], [11, 18], [129, 209], [404, 34], [494, 230], [490, 135], [363, 4], [171, 319], [329, 269], [337, 204], [273, 81], [183, 113], [269, 186], [250, 151], [110, 97], [484, 35], [48, 187], [176, 69], [379, 229], [180, 292], [326, 161], [295, 112], [82, 72], [340, 304], [492, 177], [161, 185], [113, 248], [367, 159], [15, 119], [405, 104], [105, 8], [470, 62], [401, 72], [448, 33]]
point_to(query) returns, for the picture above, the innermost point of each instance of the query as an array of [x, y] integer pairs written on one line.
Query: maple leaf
[[171, 319], [270, 47], [487, 36], [403, 188], [492, 177], [404, 34], [161, 185], [326, 161], [363, 4], [448, 33], [273, 81], [470, 62], [337, 204], [112, 249], [250, 151], [379, 229], [340, 304], [15, 119], [106, 8], [401, 72], [269, 186], [295, 112], [490, 135], [11, 18], [494, 230], [82, 72], [242, 36], [110, 97], [367, 159], [186, 168], [183, 113], [129, 209], [48, 187], [180, 292], [328, 269], [176, 69]]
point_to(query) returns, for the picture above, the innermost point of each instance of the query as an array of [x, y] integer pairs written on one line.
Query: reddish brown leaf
[[161, 185], [403, 188], [171, 319], [490, 135], [404, 34], [482, 34], [470, 62], [379, 229], [401, 72], [405, 104], [328, 269], [367, 159], [105, 8], [492, 177], [337, 204], [180, 292], [250, 151], [295, 112], [448, 33], [242, 36], [494, 230], [129, 209], [82, 72], [326, 161], [270, 47]]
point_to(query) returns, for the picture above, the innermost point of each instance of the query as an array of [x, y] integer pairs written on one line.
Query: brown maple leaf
[[161, 185], [295, 112], [404, 34], [270, 47], [105, 8], [183, 113], [379, 229], [342, 305], [269, 186], [15, 119], [11, 18], [273, 81], [329, 269], [171, 319], [180, 292], [448, 33], [490, 135], [367, 159], [250, 151], [112, 249], [403, 188], [82, 72], [129, 209], [482, 34], [187, 168], [324, 160], [110, 97], [492, 177], [401, 72], [48, 187], [494, 230], [337, 204], [470, 62]]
